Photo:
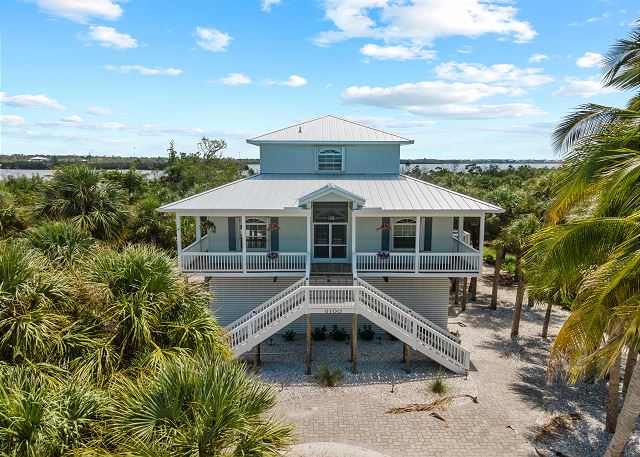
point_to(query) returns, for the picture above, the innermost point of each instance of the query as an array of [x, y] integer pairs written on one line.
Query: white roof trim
[[331, 189]]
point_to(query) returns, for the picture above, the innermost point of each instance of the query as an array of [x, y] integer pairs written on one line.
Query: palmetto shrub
[[61, 242], [205, 405]]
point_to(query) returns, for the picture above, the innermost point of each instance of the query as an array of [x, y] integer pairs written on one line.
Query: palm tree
[[30, 328], [204, 406], [61, 242], [81, 195], [516, 238], [499, 248]]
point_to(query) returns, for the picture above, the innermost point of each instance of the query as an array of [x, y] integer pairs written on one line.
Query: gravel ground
[[486, 333]]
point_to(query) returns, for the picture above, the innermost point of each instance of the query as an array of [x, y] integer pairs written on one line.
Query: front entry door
[[330, 241], [330, 231]]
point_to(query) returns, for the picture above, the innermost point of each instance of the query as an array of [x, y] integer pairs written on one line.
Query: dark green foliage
[[319, 333], [439, 385], [338, 334], [289, 335], [327, 377], [366, 333]]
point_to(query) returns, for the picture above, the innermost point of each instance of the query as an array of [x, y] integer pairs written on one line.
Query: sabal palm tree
[[516, 239], [81, 195], [62, 242], [204, 406]]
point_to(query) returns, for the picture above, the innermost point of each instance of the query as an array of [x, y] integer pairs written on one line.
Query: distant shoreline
[[26, 162]]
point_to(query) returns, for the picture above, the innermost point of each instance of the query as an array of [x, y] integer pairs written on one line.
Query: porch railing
[[251, 262], [428, 262]]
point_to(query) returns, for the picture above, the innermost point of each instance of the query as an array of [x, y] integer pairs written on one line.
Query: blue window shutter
[[386, 234], [428, 230], [275, 237], [232, 233]]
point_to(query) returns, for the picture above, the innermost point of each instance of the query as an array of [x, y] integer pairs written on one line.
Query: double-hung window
[[404, 234], [256, 233], [330, 160]]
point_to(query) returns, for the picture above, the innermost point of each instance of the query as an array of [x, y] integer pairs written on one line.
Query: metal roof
[[280, 191], [329, 130]]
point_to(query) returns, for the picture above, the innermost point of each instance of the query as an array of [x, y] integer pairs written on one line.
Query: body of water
[[256, 168]]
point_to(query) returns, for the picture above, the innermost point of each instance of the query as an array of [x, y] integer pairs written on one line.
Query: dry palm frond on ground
[[554, 428], [440, 403]]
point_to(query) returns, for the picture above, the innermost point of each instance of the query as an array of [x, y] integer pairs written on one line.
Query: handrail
[[419, 332], [266, 304], [406, 309]]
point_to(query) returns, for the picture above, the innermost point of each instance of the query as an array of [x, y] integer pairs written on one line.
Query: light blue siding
[[301, 158], [287, 158], [372, 158], [219, 241], [441, 237], [293, 234], [368, 237]]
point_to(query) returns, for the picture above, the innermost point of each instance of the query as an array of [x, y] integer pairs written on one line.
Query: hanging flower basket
[[384, 227], [273, 227], [272, 255], [209, 225], [383, 255]]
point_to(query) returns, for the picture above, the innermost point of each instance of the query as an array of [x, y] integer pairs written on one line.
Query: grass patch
[[328, 377], [439, 385]]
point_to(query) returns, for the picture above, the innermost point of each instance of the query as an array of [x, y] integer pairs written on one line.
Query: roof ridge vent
[[299, 129]]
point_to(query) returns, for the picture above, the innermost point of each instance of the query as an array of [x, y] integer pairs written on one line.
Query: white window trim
[[393, 230], [319, 149], [267, 247]]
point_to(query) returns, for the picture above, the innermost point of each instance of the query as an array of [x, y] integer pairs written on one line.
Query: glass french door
[[330, 241]]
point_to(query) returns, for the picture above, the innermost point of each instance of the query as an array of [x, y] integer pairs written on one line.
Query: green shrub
[[319, 333], [439, 385], [289, 335], [338, 334], [366, 333], [456, 333], [508, 262], [327, 377]]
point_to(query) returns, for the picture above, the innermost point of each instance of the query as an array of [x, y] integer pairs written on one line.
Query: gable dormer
[[329, 145]]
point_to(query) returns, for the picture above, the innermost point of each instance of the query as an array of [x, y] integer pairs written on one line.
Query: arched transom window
[[256, 233], [404, 234], [330, 160]]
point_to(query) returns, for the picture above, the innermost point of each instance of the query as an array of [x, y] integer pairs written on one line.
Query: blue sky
[[465, 78]]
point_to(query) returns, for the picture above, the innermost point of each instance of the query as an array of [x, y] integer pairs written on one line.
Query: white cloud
[[465, 49], [12, 120], [502, 73], [99, 111], [235, 79], [441, 99], [421, 21], [396, 52], [537, 58], [170, 71], [590, 60], [109, 37], [292, 81], [583, 89], [212, 39], [69, 121], [82, 10], [266, 5], [31, 101]]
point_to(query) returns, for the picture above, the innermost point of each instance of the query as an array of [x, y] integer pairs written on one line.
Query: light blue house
[[330, 228]]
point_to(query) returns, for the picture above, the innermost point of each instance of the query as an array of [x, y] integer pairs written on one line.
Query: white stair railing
[[359, 282], [382, 310]]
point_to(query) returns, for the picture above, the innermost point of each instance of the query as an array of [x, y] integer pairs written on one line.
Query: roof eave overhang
[[257, 142]]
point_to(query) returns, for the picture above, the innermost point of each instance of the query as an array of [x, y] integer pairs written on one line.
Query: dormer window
[[330, 160]]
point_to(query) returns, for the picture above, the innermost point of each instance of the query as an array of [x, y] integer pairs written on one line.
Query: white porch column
[[481, 240], [179, 239], [460, 230], [198, 228], [417, 253], [243, 240], [354, 269], [309, 244]]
